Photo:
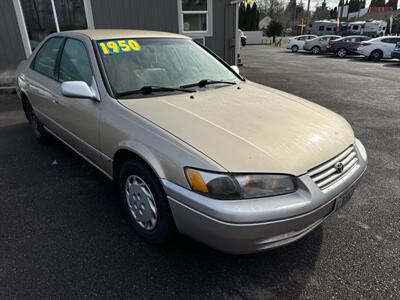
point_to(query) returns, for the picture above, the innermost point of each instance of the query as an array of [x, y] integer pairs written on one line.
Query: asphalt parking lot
[[62, 234]]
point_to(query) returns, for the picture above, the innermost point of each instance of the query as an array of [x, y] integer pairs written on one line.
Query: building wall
[[162, 15], [138, 14], [11, 47]]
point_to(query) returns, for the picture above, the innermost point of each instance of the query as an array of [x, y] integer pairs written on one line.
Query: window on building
[[328, 28], [75, 63], [321, 28], [43, 17], [45, 59], [355, 27], [195, 17]]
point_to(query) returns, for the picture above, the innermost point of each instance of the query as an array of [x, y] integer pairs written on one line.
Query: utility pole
[[308, 13]]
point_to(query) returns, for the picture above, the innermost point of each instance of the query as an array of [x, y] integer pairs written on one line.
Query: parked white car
[[378, 48], [296, 43]]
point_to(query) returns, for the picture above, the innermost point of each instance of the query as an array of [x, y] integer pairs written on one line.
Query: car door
[[388, 45], [79, 118], [40, 79], [300, 41], [323, 42], [352, 43]]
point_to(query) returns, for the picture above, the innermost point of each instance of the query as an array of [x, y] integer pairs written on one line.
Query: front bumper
[[396, 54], [252, 225], [363, 51]]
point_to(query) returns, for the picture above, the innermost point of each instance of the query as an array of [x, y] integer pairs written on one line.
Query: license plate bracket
[[344, 198]]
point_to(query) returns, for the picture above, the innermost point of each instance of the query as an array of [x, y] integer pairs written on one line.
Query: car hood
[[251, 129]]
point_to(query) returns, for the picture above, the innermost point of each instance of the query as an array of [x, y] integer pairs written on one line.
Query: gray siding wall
[[11, 47], [223, 40], [162, 15], [159, 15]]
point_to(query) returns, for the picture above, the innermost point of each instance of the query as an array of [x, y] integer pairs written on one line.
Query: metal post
[[53, 6], [308, 13]]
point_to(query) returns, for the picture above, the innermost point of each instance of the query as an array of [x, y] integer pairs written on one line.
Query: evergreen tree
[[392, 4], [274, 29], [242, 16], [333, 13]]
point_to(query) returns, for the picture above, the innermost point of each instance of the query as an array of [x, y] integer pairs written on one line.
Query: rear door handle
[[54, 100]]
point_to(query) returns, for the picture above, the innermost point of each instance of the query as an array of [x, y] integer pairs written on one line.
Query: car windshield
[[132, 64]]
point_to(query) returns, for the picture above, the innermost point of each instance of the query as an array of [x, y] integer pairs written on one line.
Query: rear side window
[[46, 57], [75, 63]]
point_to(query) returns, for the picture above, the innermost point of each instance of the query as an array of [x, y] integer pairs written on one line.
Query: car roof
[[104, 34], [329, 35], [384, 37]]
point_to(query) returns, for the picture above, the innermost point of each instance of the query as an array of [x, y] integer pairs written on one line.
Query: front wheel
[[295, 48], [41, 135], [342, 53], [316, 50], [145, 202], [376, 55]]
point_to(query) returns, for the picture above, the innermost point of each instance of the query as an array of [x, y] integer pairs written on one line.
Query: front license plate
[[344, 198]]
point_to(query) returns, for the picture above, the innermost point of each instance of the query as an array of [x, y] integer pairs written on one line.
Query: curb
[[7, 90]]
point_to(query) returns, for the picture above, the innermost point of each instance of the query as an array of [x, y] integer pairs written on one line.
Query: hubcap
[[342, 52], [316, 50], [141, 202]]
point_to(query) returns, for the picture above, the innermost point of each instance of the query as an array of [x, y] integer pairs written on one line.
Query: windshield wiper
[[204, 82], [149, 89]]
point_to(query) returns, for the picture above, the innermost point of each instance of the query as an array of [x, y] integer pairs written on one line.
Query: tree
[[333, 13], [377, 3], [248, 16], [242, 16], [274, 29], [392, 4], [321, 12]]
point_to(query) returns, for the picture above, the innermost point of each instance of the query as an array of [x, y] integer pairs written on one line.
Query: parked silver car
[[189, 143], [319, 44]]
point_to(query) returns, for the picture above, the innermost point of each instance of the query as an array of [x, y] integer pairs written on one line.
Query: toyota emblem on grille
[[339, 167]]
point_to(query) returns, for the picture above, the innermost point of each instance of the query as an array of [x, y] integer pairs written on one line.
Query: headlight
[[361, 149], [239, 186]]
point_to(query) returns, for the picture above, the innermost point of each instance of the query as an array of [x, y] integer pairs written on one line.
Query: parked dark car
[[396, 51], [346, 45]]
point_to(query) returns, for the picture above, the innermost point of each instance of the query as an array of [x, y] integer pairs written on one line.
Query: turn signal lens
[[196, 181]]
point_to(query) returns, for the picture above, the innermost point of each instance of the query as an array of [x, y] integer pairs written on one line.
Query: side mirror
[[236, 69], [78, 89]]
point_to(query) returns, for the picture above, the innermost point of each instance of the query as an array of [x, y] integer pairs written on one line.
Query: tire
[[146, 207], [295, 48], [316, 50], [40, 134], [376, 55], [342, 52]]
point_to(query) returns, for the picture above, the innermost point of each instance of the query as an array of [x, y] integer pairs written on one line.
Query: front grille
[[327, 173]]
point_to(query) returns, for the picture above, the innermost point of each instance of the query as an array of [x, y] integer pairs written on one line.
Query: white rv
[[372, 28]]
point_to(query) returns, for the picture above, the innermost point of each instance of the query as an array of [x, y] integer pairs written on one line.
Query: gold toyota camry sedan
[[191, 145]]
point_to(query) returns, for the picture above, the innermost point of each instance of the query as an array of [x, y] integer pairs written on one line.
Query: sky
[[330, 3]]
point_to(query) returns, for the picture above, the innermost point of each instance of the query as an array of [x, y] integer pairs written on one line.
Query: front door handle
[[54, 100]]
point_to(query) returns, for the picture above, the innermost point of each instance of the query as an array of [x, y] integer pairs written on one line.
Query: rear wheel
[[342, 52], [145, 202], [295, 48], [41, 135], [376, 55], [316, 50]]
